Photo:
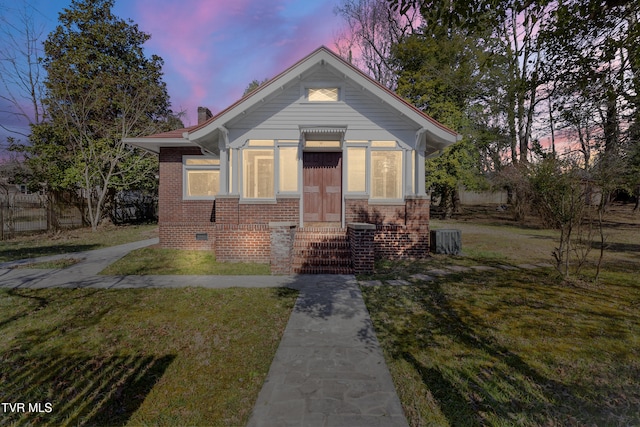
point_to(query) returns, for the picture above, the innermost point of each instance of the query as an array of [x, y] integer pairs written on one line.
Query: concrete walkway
[[84, 274], [328, 370]]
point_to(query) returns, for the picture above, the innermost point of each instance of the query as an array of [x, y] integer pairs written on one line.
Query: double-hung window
[[376, 168], [201, 177], [265, 160]]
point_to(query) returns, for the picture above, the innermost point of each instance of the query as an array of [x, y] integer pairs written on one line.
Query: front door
[[322, 181]]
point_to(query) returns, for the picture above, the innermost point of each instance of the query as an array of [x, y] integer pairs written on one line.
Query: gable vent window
[[325, 94]]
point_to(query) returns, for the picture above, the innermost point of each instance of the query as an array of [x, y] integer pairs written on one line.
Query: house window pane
[[385, 144], [261, 142], [258, 176], [203, 183], [323, 94], [356, 169], [322, 144], [201, 162], [288, 169], [386, 174]]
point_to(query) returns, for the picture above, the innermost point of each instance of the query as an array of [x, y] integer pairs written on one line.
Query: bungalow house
[[321, 169]]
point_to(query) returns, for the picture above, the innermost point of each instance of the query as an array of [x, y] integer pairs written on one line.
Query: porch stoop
[[319, 250]]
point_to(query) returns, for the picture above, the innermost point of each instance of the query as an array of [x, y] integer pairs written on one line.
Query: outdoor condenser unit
[[446, 242]]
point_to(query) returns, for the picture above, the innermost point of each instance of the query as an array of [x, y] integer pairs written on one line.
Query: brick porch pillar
[[282, 235], [361, 239]]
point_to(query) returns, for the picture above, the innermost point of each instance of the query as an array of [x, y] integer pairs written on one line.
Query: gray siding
[[366, 116]]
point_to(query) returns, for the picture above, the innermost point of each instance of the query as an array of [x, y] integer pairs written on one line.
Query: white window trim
[[185, 170]]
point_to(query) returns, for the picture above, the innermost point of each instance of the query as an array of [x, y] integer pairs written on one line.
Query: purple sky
[[214, 48]]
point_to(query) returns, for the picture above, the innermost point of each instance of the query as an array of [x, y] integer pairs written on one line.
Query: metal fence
[[31, 213]]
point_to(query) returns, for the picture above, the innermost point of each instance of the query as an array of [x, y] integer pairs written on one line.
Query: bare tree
[[371, 29], [21, 73]]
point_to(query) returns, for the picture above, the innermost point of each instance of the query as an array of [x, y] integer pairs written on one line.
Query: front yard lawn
[[138, 357], [154, 260], [70, 241], [517, 347], [512, 348]]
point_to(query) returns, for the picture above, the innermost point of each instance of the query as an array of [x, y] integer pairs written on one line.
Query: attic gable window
[[323, 94]]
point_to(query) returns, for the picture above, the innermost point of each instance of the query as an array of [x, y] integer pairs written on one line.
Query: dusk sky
[[214, 48]]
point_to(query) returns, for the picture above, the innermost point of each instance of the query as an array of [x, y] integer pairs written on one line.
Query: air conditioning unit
[[446, 242]]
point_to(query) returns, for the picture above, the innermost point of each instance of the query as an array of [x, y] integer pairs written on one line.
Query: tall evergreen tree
[[100, 88]]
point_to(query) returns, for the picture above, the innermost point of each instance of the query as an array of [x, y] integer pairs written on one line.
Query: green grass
[[55, 264], [147, 261], [523, 347], [138, 357], [70, 241]]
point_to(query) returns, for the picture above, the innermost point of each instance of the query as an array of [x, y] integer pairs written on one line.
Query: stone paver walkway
[[329, 369]]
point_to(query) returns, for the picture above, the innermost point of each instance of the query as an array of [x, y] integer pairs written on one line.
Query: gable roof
[[207, 134]]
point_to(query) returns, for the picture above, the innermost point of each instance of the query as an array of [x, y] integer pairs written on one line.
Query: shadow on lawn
[[13, 253], [483, 380], [81, 390], [72, 387]]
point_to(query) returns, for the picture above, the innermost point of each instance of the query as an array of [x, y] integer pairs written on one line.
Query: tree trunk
[[446, 203]]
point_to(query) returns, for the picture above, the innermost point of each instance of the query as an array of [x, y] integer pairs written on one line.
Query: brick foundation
[[243, 243], [195, 236]]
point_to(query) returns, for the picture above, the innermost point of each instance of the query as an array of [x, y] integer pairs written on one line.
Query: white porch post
[[223, 146], [224, 171], [421, 146], [407, 169], [420, 173]]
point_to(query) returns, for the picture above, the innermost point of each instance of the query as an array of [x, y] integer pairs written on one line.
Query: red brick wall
[[180, 220], [183, 236], [359, 210], [229, 210], [243, 243], [402, 230], [400, 242], [363, 247]]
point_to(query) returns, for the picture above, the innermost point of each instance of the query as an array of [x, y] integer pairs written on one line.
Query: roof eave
[[154, 145]]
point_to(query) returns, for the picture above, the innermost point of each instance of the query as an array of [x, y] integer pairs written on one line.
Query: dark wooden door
[[322, 181]]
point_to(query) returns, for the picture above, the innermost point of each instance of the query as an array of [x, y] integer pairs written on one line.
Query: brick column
[[282, 235], [417, 222], [361, 239]]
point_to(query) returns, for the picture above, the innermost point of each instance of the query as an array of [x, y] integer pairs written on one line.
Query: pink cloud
[[213, 50]]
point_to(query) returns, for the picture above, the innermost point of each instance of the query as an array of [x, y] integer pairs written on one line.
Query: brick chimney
[[204, 114]]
